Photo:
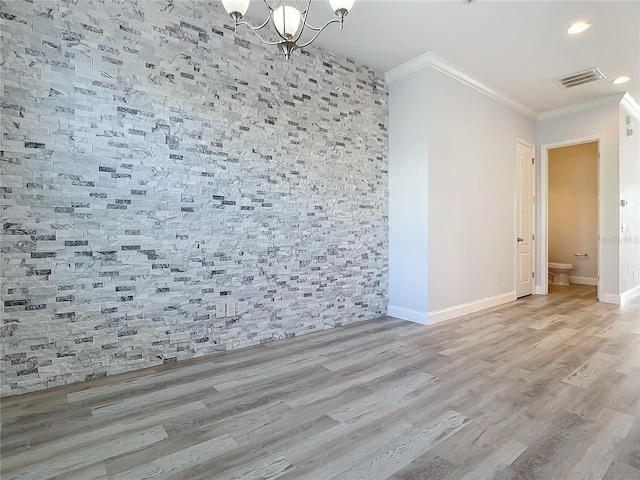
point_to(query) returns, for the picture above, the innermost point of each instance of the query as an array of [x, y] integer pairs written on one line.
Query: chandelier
[[288, 21]]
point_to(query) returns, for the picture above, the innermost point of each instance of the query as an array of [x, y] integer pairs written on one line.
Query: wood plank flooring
[[542, 388]]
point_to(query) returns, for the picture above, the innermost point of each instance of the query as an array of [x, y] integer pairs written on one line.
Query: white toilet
[[560, 273]]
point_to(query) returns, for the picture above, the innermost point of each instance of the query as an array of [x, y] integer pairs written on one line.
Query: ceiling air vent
[[581, 78]]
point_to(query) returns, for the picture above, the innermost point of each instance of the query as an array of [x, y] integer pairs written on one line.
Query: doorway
[[571, 220]]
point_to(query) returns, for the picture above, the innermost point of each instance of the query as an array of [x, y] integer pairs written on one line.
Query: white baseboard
[[610, 298], [407, 314], [629, 294], [540, 290], [583, 280], [471, 307]]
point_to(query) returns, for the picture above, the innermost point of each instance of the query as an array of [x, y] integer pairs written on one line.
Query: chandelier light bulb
[[235, 7], [341, 5], [286, 20]]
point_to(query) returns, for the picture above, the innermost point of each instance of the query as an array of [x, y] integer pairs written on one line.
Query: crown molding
[[581, 107], [408, 68], [454, 72], [631, 105], [431, 60]]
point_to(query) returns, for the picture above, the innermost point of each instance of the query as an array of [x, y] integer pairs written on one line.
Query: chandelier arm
[[304, 23], [317, 29], [306, 11], [268, 7], [318, 32], [259, 27], [302, 12], [255, 30]]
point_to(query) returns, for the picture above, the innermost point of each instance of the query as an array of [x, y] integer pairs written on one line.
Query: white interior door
[[525, 204]]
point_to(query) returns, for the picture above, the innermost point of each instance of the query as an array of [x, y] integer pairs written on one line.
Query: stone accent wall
[[171, 189]]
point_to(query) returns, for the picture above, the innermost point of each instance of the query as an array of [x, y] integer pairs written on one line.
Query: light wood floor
[[543, 388]]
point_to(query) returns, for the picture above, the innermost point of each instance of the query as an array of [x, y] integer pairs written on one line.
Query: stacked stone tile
[[156, 166]]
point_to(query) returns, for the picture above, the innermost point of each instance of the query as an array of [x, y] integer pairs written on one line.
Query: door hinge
[[533, 274], [533, 161], [533, 237]]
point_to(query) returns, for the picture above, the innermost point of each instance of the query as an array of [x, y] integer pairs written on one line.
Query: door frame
[[533, 218], [544, 207]]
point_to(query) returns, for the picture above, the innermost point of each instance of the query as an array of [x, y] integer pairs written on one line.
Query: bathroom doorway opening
[[571, 210]]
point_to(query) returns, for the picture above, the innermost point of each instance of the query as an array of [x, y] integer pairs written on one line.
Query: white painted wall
[[630, 214], [452, 192], [408, 194], [451, 195], [602, 120], [472, 179]]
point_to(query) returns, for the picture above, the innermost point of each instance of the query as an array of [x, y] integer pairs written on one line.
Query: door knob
[[520, 239]]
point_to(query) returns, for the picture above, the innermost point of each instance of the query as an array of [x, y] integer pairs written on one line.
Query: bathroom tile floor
[[545, 387]]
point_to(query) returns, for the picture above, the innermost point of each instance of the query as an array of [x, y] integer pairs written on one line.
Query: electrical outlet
[[498, 280], [220, 310], [231, 309]]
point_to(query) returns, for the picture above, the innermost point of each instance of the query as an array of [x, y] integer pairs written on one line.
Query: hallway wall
[[630, 192], [453, 178]]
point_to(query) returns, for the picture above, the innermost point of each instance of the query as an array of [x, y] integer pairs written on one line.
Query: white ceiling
[[517, 46]]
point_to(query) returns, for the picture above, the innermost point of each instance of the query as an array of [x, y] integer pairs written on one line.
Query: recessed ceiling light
[[578, 27], [620, 80]]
